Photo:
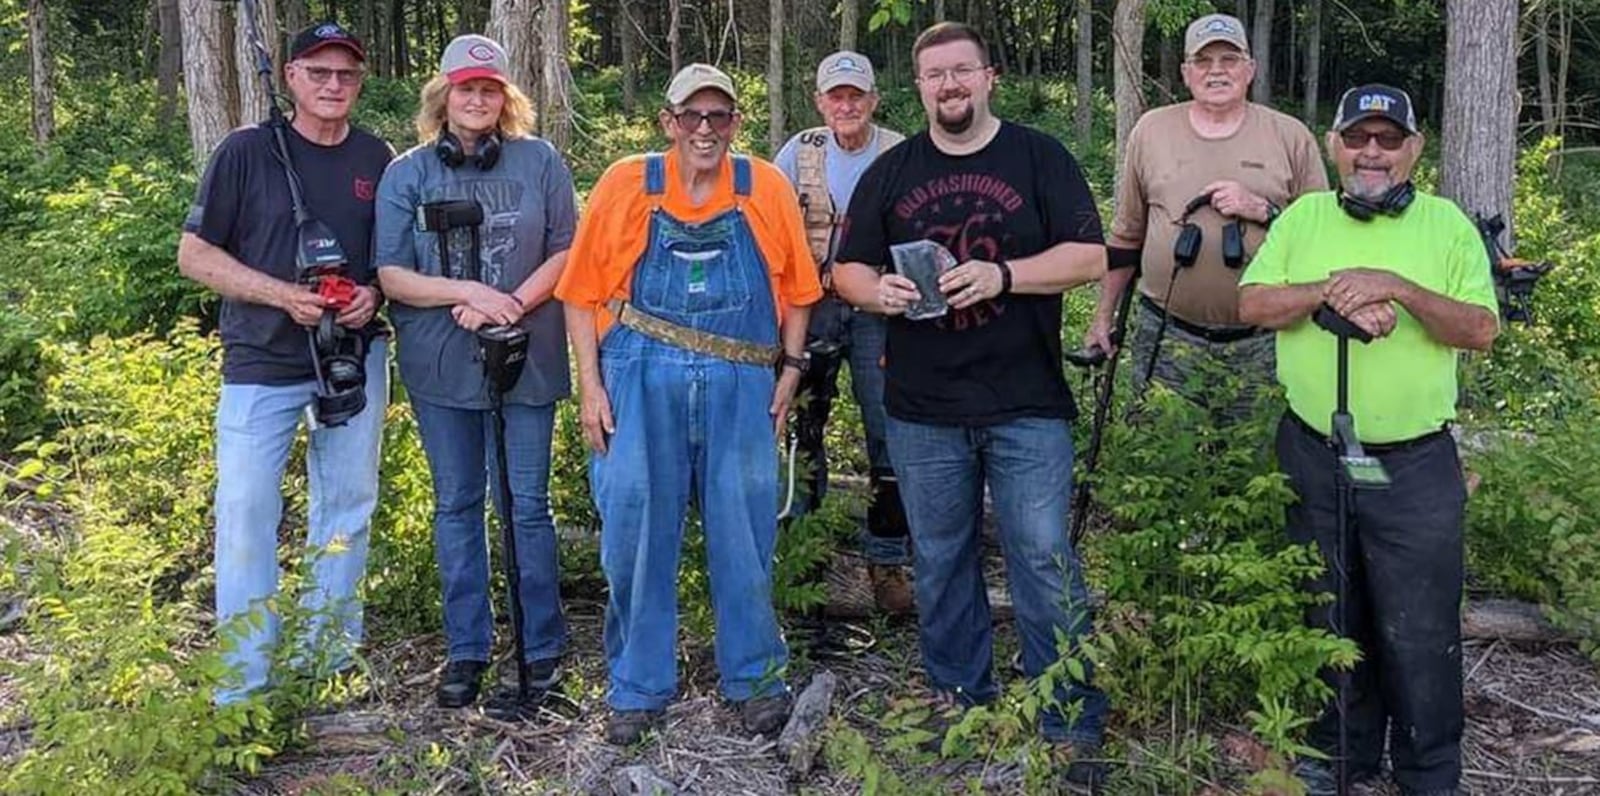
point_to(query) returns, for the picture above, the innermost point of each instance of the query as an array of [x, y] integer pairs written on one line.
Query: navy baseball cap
[[325, 34]]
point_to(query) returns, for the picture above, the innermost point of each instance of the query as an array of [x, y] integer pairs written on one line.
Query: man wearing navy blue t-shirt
[[240, 240]]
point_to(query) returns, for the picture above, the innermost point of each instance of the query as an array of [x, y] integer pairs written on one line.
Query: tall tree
[[629, 44], [252, 101], [775, 101], [674, 33], [1261, 51], [207, 78], [1541, 50], [511, 22], [1127, 37], [169, 64], [41, 74], [1085, 56], [557, 94], [1480, 112], [849, 20], [1313, 73], [296, 16]]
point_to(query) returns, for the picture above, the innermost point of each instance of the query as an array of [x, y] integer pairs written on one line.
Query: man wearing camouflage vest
[[824, 163]]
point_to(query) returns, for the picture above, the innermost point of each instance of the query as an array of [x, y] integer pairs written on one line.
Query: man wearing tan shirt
[[1247, 161]]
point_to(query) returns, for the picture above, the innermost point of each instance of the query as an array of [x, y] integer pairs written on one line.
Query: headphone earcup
[[1399, 198], [1356, 207], [448, 147], [488, 151]]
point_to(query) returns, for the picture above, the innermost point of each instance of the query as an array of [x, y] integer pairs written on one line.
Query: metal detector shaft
[[1105, 386], [508, 538]]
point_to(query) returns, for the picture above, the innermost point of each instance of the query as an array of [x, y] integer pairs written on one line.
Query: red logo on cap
[[481, 52]]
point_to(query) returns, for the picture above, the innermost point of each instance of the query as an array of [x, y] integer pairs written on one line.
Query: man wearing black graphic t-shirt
[[240, 240], [977, 395]]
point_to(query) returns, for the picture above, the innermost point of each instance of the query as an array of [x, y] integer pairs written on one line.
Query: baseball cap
[[845, 68], [325, 34], [697, 77], [471, 57], [1214, 27], [1375, 100]]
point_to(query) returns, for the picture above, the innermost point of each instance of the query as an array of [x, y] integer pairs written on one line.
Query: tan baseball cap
[[698, 77], [1214, 27], [845, 68]]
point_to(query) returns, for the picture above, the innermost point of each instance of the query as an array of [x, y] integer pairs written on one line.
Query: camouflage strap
[[700, 342]]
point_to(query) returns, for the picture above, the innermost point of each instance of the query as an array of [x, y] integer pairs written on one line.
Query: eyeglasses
[[963, 74], [689, 120], [1387, 139], [321, 74], [1228, 61]]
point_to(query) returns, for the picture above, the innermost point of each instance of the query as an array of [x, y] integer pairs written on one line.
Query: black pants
[[1405, 567]]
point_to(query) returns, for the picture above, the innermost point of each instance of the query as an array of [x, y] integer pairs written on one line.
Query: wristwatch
[[1273, 211], [800, 363]]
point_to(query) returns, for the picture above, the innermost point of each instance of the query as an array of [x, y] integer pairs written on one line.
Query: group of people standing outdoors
[[708, 296]]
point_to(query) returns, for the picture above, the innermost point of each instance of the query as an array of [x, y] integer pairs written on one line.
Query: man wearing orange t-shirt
[[689, 282]]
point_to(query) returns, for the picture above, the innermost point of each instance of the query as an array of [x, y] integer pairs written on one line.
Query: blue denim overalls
[[690, 425]]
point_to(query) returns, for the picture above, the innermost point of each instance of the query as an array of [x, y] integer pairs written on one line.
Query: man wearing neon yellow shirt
[[1408, 268]]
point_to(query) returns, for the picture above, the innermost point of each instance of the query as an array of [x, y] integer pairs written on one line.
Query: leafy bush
[[22, 366]]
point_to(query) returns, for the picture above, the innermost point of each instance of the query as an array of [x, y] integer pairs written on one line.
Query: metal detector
[[1356, 470], [1104, 380], [503, 350]]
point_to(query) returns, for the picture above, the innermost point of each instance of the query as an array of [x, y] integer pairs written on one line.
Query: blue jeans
[[688, 427], [256, 425], [459, 444], [1028, 466]]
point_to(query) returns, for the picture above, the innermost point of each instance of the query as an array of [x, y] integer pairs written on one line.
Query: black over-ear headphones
[[1393, 202], [1186, 247], [453, 154]]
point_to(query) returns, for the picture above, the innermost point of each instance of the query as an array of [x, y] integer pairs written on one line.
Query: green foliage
[[1531, 528], [22, 367], [1204, 613]]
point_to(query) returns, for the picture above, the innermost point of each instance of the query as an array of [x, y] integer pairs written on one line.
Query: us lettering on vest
[[811, 171]]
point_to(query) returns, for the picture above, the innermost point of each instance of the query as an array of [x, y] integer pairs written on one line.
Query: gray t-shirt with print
[[529, 213]]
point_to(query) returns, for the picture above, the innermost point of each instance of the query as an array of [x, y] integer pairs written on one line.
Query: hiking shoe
[[1084, 772], [1321, 779], [458, 686], [626, 727], [891, 589], [764, 715], [542, 675]]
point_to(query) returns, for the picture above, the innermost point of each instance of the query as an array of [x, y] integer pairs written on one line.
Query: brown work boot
[[891, 589]]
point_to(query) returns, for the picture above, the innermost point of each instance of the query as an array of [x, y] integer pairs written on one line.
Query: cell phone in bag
[[923, 262]]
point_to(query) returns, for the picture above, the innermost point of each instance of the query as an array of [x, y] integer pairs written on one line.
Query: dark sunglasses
[[689, 120], [1387, 139]]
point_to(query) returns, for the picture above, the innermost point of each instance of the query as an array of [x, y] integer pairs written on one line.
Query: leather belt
[[1211, 334], [1371, 448]]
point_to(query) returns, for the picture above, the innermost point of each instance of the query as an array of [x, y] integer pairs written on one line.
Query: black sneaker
[[1320, 778], [458, 686], [764, 715], [626, 727], [543, 675]]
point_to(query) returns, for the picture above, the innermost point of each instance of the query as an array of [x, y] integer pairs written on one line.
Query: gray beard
[[1366, 189]]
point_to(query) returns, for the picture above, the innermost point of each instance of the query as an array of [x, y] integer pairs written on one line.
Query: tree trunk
[[1480, 116], [849, 21], [775, 75], [252, 100], [627, 41], [1541, 51], [205, 75], [169, 64], [938, 11], [1565, 29], [674, 33], [557, 74], [39, 70], [1169, 79], [1127, 37], [1085, 56], [511, 22], [296, 16], [1313, 74], [1261, 51], [400, 65]]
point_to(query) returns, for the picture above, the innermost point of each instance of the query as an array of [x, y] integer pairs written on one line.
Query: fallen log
[[801, 738], [351, 733], [1508, 620]]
